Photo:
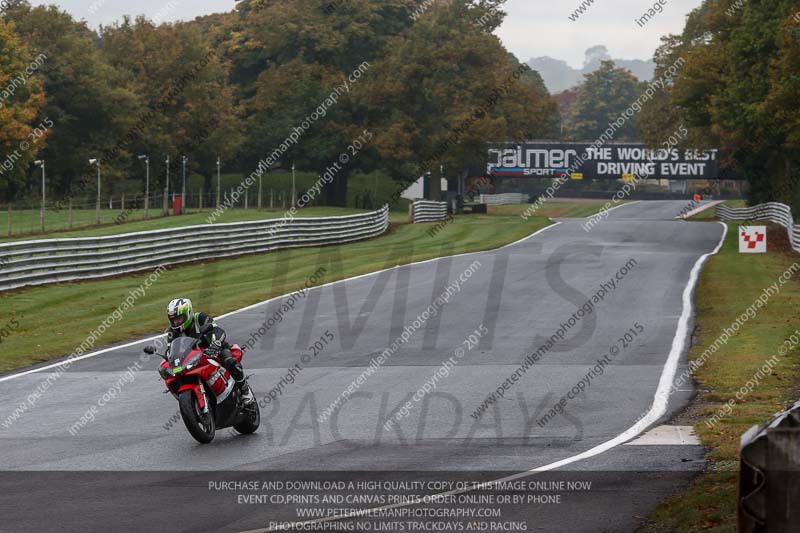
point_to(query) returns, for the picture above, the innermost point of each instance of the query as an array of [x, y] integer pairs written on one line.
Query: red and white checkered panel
[[752, 239]]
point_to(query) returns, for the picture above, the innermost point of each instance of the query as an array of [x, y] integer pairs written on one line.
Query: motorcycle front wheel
[[201, 426]]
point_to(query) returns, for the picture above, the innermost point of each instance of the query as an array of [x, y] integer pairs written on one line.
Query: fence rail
[[39, 262], [428, 211], [769, 475], [504, 198], [771, 212]]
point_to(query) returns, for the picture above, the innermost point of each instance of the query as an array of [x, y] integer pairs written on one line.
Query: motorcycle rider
[[183, 321]]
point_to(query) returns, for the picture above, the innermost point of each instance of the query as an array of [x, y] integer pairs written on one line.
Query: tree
[[89, 102], [444, 89], [604, 96], [659, 117], [566, 104], [737, 90], [189, 107], [781, 105], [289, 57], [20, 107], [434, 86]]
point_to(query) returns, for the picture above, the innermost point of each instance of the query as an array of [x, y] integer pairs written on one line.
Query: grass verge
[[51, 321], [729, 284]]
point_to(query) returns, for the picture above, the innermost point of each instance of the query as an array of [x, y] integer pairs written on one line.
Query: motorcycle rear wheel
[[253, 420], [200, 426]]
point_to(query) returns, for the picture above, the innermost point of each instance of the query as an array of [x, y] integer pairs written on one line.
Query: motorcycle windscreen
[[180, 349]]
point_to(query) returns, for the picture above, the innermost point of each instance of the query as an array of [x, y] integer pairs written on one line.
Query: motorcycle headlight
[[165, 372], [192, 362]]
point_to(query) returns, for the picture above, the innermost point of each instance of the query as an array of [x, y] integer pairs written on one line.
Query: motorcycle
[[205, 390]]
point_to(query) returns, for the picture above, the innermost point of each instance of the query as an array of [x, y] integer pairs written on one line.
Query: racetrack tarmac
[[130, 466]]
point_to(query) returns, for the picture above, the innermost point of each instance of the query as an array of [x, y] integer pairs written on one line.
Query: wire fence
[[25, 217]]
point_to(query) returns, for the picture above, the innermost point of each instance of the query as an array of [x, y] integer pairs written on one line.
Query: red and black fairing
[[189, 368]]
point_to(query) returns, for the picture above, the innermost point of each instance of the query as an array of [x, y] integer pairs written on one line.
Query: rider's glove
[[214, 349]]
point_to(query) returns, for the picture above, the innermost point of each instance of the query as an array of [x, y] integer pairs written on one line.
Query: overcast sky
[[533, 27]]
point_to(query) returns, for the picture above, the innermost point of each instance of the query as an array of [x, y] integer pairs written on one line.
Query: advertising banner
[[612, 161]]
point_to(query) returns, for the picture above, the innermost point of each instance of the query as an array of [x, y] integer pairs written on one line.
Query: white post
[[147, 188], [44, 193], [41, 213], [183, 187], [97, 204], [165, 210], [219, 181], [294, 198]]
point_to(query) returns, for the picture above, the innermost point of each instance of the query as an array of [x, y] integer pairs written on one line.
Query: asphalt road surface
[[135, 468]]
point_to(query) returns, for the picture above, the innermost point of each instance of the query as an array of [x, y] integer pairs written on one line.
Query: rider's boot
[[237, 373], [247, 393]]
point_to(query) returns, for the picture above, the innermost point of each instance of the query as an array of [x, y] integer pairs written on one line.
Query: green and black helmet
[[179, 312]]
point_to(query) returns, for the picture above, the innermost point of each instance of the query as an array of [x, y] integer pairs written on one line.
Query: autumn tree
[[444, 89], [434, 86], [737, 91], [20, 107], [90, 103], [189, 106], [289, 57], [604, 96]]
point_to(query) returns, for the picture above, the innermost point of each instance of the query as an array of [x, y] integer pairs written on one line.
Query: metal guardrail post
[[783, 479], [769, 479]]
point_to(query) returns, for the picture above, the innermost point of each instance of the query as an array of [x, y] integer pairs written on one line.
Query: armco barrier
[[504, 198], [769, 476], [771, 212], [428, 211], [45, 261]]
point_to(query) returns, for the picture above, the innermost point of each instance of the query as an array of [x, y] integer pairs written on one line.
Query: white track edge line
[[265, 302], [613, 208], [657, 409], [700, 209]]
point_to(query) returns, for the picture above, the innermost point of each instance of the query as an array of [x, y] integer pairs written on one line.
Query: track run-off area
[[535, 361]]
